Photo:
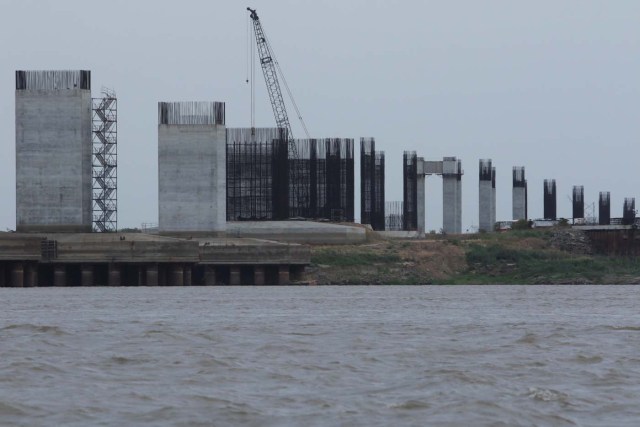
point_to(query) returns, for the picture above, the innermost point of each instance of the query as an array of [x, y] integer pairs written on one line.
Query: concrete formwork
[[420, 188], [485, 196], [53, 151], [191, 168]]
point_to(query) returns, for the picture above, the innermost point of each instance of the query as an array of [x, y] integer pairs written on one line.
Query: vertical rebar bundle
[[604, 208], [53, 80], [578, 201], [550, 199], [629, 211], [191, 113], [372, 202], [394, 216], [410, 190], [257, 179], [105, 162]]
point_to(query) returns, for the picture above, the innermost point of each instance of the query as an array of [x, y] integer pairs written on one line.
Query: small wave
[[588, 359], [28, 327], [624, 328], [528, 338], [411, 405], [547, 395], [7, 409]]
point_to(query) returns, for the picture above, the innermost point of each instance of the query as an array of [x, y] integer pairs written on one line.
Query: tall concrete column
[[17, 275], [60, 275], [235, 278], [459, 197], [493, 198], [420, 212], [259, 275], [485, 195], [152, 275], [209, 275], [115, 276], [188, 273], [176, 275], [86, 274], [451, 196], [31, 275], [519, 202], [283, 275]]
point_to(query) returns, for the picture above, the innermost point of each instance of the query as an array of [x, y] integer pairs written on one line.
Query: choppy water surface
[[503, 355]]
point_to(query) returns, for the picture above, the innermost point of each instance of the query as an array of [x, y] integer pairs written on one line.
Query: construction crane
[[271, 70]]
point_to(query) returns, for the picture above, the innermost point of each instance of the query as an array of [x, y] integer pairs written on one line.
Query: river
[[321, 356]]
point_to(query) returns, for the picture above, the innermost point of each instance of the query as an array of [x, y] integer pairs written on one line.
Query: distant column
[[629, 211], [60, 275], [493, 198], [550, 199], [485, 194], [420, 196], [578, 202], [3, 282], [235, 278], [604, 208], [451, 195], [17, 275], [87, 275], [519, 201], [283, 275]]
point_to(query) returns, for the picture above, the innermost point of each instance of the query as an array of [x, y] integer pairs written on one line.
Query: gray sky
[[551, 85]]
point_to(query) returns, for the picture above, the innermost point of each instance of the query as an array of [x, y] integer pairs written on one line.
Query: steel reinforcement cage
[[324, 175], [372, 203], [604, 208], [257, 174], [262, 185], [394, 216], [410, 190], [550, 199], [577, 201]]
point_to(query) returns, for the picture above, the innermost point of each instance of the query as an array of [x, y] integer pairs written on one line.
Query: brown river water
[[321, 356]]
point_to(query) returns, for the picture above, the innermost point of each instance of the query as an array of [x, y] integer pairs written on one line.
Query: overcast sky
[[550, 85]]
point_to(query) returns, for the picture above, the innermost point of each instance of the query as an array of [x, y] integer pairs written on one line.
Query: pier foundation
[[283, 275], [115, 276], [31, 275], [209, 276], [176, 275], [259, 275], [59, 275], [188, 275], [235, 277], [17, 275], [86, 275], [152, 275]]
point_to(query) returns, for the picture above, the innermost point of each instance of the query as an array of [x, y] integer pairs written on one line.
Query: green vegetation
[[343, 258]]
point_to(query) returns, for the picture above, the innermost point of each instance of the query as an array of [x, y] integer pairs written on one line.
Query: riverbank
[[549, 256]]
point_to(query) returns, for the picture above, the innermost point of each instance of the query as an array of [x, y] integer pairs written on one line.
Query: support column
[[17, 275], [86, 275], [283, 275], [258, 275], [115, 276], [31, 275], [420, 212], [188, 274], [519, 201], [176, 275], [449, 195], [235, 278], [459, 196], [209, 275], [152, 275], [485, 195], [3, 282], [60, 275], [493, 198]]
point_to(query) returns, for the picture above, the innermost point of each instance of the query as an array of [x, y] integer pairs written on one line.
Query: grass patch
[[339, 259]]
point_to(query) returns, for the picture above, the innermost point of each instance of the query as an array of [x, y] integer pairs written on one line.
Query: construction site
[[236, 206]]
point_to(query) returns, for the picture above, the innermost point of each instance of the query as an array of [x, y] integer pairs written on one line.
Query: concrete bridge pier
[[59, 275], [188, 275], [115, 276], [283, 275], [31, 275], [259, 275], [209, 275], [152, 275], [86, 275], [235, 277], [17, 275], [176, 275], [3, 282]]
